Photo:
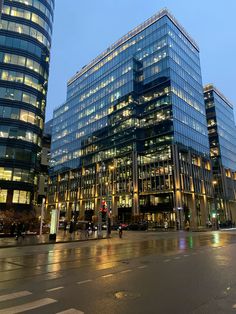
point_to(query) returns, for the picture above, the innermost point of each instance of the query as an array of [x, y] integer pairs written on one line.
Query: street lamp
[[42, 217], [215, 214]]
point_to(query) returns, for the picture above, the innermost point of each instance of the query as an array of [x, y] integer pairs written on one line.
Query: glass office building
[[222, 139], [133, 131], [25, 40]]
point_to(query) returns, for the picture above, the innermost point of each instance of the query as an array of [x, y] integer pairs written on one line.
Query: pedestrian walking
[[166, 225], [187, 226], [13, 229], [71, 229], [65, 226], [20, 230]]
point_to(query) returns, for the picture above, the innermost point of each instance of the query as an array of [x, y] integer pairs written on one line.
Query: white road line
[[109, 275], [186, 255], [143, 266], [234, 306], [84, 281], [27, 306], [70, 311], [167, 260], [194, 253], [54, 289], [14, 295], [177, 257], [125, 271]]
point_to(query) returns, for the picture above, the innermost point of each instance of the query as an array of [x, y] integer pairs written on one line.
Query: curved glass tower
[[25, 40]]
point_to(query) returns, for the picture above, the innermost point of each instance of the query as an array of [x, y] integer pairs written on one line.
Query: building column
[[204, 210]]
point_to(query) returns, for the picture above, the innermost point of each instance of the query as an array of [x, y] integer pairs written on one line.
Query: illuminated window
[[21, 197], [3, 196], [5, 174]]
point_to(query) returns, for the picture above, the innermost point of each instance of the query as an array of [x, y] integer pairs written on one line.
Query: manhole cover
[[125, 294]]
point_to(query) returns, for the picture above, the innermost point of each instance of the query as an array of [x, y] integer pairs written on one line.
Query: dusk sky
[[84, 28]]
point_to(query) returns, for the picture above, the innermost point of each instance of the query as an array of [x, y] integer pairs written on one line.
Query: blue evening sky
[[84, 28]]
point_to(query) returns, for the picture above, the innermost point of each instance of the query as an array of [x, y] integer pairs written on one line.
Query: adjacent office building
[[133, 133], [222, 139], [25, 40]]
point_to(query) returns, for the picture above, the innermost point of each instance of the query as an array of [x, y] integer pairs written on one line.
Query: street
[[144, 272]]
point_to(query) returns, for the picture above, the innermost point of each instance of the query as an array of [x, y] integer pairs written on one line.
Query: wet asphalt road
[[144, 272]]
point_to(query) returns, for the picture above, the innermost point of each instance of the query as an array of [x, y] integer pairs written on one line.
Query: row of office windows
[[116, 71], [19, 196], [18, 77], [161, 154], [21, 44], [26, 30], [131, 46], [194, 141], [22, 13], [186, 46], [19, 134], [24, 62], [189, 120], [154, 48], [18, 175], [140, 42], [190, 87], [17, 154], [179, 71], [40, 6], [19, 95], [22, 115], [96, 125]]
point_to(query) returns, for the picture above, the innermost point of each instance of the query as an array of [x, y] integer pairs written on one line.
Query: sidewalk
[[44, 239]]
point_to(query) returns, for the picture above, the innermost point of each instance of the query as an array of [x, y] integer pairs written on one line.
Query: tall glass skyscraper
[[25, 40], [222, 139], [133, 130]]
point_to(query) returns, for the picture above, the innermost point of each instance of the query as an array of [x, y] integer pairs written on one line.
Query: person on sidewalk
[[13, 229], [71, 230], [20, 230], [187, 226], [65, 226], [166, 225]]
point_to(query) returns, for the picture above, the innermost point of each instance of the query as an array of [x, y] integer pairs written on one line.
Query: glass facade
[[25, 40], [132, 109], [222, 139]]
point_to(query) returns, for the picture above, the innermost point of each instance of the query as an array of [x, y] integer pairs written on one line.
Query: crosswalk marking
[[54, 289], [84, 281], [27, 306], [109, 275], [70, 311], [125, 271], [14, 295]]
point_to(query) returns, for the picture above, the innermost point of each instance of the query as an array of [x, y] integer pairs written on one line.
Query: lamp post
[[110, 195], [215, 215], [42, 217]]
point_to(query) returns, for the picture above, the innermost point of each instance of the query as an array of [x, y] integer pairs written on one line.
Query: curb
[[47, 243]]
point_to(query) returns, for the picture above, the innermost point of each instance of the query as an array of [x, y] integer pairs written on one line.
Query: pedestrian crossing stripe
[[27, 306], [71, 311], [14, 295]]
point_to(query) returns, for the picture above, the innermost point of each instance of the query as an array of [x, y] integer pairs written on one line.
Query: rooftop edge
[[129, 35], [210, 86]]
